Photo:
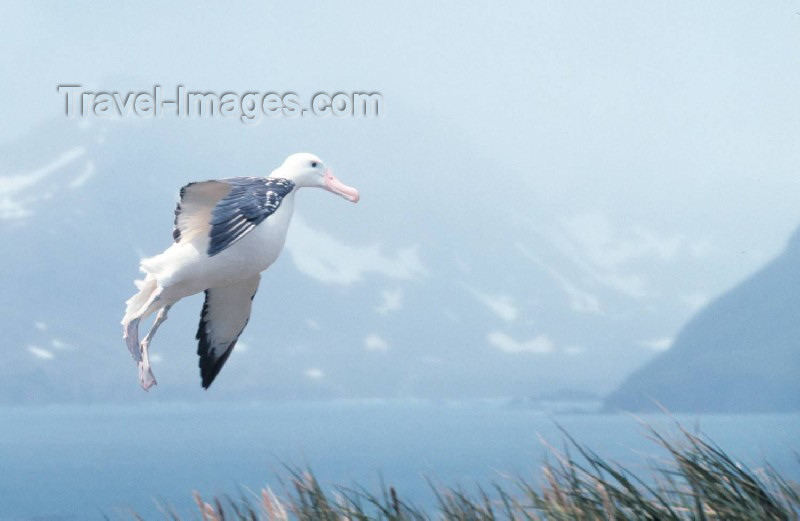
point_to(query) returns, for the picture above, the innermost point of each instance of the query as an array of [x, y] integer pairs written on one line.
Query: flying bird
[[227, 231]]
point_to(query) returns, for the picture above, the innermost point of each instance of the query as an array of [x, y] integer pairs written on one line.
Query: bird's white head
[[308, 170]]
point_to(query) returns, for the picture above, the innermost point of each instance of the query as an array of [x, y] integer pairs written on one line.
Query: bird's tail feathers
[[134, 305]]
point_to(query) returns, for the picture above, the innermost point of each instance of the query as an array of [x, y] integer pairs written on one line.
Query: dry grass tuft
[[698, 481]]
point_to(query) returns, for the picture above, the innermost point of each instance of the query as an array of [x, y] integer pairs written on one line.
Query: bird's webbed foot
[[146, 377]]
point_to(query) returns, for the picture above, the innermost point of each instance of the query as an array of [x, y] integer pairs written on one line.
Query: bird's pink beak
[[334, 185]]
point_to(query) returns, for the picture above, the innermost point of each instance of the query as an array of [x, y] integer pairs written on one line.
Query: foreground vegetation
[[698, 481]]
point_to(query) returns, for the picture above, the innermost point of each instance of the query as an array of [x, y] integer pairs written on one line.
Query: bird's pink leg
[[130, 330], [146, 377], [131, 335]]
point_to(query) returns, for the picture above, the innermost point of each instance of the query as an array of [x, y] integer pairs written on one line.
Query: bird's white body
[[184, 269], [226, 233]]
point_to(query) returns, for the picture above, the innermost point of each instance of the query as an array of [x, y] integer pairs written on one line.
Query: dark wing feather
[[249, 201], [227, 209], [226, 311]]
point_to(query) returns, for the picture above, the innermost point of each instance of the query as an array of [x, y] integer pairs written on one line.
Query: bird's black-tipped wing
[[249, 202], [226, 311], [227, 209]]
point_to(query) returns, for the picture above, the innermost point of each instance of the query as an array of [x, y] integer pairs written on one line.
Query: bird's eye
[[314, 164]]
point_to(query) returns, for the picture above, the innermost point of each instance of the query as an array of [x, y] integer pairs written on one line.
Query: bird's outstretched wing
[[193, 211], [226, 311], [226, 210]]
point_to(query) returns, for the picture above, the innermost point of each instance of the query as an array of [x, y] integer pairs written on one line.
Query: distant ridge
[[741, 353]]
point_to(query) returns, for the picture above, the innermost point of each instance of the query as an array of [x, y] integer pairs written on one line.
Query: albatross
[[227, 231]]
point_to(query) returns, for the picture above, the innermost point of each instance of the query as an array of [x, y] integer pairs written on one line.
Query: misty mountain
[[446, 281], [740, 353]]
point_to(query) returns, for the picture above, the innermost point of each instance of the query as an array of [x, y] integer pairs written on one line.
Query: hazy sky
[[683, 114]]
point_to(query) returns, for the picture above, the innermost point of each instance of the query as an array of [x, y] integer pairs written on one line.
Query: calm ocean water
[[80, 462]]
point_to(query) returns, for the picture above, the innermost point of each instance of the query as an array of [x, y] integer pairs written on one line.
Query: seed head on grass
[[698, 481]]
